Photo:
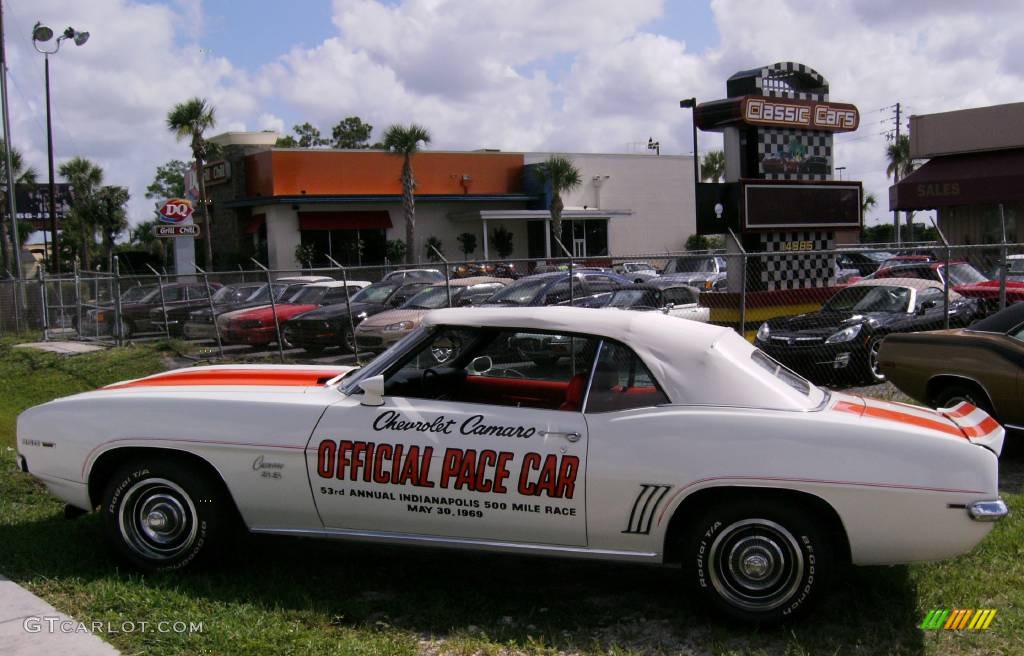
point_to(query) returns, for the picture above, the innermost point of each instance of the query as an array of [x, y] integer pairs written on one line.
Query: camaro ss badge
[[267, 469]]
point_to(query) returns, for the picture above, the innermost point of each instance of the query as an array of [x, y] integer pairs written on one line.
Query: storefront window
[[359, 247]]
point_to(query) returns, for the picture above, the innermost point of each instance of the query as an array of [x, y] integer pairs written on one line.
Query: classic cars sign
[[833, 117]]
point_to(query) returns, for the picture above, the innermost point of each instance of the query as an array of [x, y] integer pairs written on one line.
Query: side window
[[622, 382], [497, 367], [351, 289], [929, 294], [172, 294], [560, 292], [335, 295], [598, 284], [197, 292], [679, 296], [1018, 333]]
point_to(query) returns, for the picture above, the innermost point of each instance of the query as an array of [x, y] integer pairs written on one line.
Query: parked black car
[[329, 326], [553, 288], [840, 342]]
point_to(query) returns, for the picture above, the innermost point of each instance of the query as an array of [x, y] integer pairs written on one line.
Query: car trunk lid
[[964, 420]]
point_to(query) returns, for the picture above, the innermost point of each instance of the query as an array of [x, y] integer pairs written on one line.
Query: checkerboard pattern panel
[[770, 81], [798, 271], [817, 162]]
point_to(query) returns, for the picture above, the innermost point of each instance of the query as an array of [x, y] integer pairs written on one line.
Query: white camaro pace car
[[656, 441]]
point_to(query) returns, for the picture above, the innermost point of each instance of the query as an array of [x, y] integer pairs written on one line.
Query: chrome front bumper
[[987, 511]]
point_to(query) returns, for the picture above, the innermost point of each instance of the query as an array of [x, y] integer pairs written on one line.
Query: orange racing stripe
[[902, 417], [231, 377]]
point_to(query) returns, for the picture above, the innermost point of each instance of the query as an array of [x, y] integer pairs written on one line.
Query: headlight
[[361, 315], [101, 316], [844, 335], [763, 332], [398, 327]]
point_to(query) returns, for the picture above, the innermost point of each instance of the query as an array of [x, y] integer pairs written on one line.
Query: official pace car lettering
[[474, 425], [486, 471]]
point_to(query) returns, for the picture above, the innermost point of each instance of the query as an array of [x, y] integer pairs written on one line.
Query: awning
[[985, 178], [359, 220], [536, 215], [256, 222]]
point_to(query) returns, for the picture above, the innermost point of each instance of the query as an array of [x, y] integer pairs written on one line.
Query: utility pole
[[896, 177], [11, 210]]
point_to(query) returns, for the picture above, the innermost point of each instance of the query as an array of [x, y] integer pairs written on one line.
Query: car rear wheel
[[160, 515], [758, 562], [956, 393]]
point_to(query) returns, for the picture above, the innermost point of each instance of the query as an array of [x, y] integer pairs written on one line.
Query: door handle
[[572, 437]]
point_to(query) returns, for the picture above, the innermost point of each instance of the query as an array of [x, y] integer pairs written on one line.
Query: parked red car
[[255, 326], [963, 278]]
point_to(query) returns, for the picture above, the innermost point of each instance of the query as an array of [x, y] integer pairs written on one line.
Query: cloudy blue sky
[[572, 75]]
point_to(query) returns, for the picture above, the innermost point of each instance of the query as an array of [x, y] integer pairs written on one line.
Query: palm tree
[[405, 140], [713, 166], [900, 166], [562, 176], [110, 218], [188, 120], [868, 203], [142, 237], [21, 176], [85, 179]]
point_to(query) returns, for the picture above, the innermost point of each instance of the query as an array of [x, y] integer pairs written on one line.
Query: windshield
[[691, 265], [964, 274], [374, 293], [232, 294], [138, 294], [634, 298], [350, 384], [309, 295], [870, 299], [430, 298], [519, 294]]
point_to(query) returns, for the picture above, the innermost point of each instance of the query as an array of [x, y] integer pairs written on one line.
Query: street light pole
[[41, 34], [691, 103], [54, 243]]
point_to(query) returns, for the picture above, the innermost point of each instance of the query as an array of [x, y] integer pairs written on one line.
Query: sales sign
[[176, 210]]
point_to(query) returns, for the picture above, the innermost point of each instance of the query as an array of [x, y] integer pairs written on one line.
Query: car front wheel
[[758, 562], [161, 515]]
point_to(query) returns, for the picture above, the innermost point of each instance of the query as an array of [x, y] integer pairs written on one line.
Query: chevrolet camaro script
[[651, 440]]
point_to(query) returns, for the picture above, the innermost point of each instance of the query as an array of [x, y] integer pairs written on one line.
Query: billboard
[[33, 203], [772, 205]]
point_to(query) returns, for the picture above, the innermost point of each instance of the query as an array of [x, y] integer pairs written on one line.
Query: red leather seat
[[574, 393]]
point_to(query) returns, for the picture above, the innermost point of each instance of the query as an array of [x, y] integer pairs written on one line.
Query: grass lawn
[[283, 596]]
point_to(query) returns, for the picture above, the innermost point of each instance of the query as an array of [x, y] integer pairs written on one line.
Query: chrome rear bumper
[[987, 511]]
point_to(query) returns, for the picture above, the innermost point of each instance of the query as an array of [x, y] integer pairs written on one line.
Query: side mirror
[[925, 306], [464, 301], [481, 365], [373, 390]]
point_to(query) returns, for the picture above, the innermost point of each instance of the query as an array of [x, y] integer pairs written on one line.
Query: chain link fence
[[822, 313]]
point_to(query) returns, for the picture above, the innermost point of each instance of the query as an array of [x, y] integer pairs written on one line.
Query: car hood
[[826, 323], [239, 376], [394, 316], [340, 310]]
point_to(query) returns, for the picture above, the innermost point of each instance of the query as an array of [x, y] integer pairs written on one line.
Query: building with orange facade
[[266, 201]]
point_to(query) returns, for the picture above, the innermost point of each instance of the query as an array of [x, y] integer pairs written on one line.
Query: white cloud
[[577, 75]]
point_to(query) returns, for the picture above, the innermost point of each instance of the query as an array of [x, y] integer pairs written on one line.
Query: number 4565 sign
[[176, 210]]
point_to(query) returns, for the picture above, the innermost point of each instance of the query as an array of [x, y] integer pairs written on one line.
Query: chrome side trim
[[466, 543], [987, 511]]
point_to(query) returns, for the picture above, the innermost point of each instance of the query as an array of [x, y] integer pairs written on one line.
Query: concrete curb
[[25, 627]]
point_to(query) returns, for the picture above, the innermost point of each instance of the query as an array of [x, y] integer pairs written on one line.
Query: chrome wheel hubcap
[[755, 564], [157, 519]]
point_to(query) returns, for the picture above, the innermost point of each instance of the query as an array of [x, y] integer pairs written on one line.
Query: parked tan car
[[378, 332], [982, 364]]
